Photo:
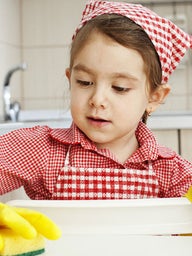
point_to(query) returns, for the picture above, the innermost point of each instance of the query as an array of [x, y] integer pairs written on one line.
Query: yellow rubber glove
[[27, 223], [189, 194]]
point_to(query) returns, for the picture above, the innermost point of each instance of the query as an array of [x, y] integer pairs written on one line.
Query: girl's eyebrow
[[125, 76], [81, 67], [115, 75]]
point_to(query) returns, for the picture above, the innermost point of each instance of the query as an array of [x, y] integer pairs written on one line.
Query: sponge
[[16, 245]]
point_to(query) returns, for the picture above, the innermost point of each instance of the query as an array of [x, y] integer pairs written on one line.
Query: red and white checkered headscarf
[[170, 42]]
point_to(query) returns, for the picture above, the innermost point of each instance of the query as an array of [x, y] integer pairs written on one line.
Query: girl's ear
[[68, 73], [158, 97]]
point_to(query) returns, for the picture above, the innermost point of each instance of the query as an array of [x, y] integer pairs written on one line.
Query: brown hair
[[127, 33]]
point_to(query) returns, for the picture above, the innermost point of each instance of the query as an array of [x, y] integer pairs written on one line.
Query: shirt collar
[[72, 136], [149, 149], [148, 146]]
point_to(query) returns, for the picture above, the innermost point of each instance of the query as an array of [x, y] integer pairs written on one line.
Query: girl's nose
[[98, 99]]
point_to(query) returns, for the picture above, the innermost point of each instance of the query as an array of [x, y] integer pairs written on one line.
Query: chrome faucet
[[11, 109]]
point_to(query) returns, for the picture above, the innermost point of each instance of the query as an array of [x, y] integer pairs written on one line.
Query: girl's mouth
[[97, 121]]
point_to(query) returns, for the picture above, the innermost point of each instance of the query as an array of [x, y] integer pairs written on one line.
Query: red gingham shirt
[[33, 158]]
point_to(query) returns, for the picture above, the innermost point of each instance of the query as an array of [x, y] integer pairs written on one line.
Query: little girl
[[121, 58]]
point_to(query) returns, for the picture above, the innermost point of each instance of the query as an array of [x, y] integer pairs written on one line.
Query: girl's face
[[108, 91]]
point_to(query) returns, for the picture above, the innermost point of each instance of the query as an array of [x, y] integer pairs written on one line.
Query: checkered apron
[[76, 183]]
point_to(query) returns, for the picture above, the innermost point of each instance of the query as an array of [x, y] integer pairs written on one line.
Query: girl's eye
[[84, 83], [120, 89]]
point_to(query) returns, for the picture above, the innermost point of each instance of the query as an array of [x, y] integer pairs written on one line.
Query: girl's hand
[[27, 223]]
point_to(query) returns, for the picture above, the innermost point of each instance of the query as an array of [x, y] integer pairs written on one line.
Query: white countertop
[[61, 119], [166, 120], [171, 121]]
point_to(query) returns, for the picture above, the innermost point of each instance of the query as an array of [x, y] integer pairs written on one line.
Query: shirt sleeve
[[23, 157], [174, 175], [181, 179]]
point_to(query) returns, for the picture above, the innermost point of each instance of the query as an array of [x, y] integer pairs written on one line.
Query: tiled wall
[[10, 44], [47, 28], [39, 32]]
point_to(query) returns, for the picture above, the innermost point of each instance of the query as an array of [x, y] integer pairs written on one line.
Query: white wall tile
[[10, 21], [167, 138], [186, 138], [50, 22], [173, 103], [45, 78], [44, 103]]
